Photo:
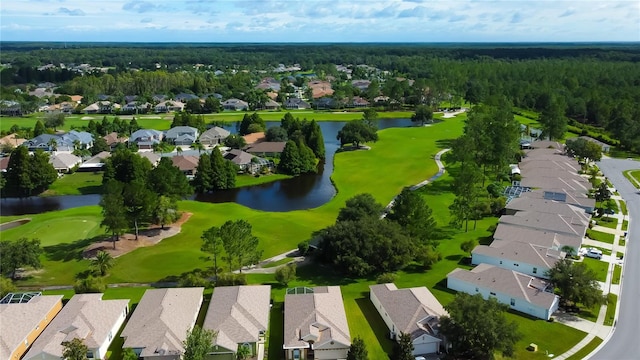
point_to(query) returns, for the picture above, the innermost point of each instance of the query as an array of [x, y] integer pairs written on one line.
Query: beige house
[[86, 317], [160, 322], [24, 317], [413, 311], [315, 324], [240, 316]]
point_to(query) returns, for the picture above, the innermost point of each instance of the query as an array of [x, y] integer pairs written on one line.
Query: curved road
[[624, 342]]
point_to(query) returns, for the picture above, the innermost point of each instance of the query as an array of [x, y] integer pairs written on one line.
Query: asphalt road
[[624, 343]]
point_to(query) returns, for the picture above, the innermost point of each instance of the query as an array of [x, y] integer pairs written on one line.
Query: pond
[[301, 192]]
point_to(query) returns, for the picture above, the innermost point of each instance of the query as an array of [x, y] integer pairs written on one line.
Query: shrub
[[286, 273], [386, 278], [303, 247], [230, 279], [194, 280], [6, 286], [90, 284]]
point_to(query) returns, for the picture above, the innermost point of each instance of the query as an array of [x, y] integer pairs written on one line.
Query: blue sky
[[319, 20]]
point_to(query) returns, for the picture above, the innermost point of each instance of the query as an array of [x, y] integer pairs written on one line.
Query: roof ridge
[[524, 292]]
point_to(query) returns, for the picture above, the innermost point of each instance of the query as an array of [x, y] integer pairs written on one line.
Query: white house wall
[[101, 352], [425, 344], [520, 304], [520, 267], [383, 313]]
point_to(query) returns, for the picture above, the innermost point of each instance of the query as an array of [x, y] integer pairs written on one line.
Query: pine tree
[[218, 170], [290, 162], [202, 181]]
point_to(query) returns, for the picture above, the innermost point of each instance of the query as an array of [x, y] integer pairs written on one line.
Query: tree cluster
[[357, 132], [361, 243], [18, 254], [251, 124], [214, 173], [187, 119], [489, 144], [134, 193], [304, 147], [576, 283], [584, 149], [27, 175], [235, 240], [476, 328]]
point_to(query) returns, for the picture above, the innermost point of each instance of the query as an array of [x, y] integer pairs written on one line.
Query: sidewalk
[[598, 328]]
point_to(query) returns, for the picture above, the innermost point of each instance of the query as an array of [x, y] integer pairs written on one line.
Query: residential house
[[159, 324], [10, 108], [529, 259], [112, 139], [269, 83], [414, 311], [181, 135], [186, 163], [605, 147], [295, 103], [240, 317], [269, 105], [324, 103], [315, 324], [153, 158], [546, 238], [81, 139], [359, 102], [361, 85], [562, 224], [46, 142], [545, 206], [158, 98], [242, 159], [521, 292], [235, 104], [64, 162], [87, 317], [320, 88], [11, 140], [184, 97], [254, 138], [101, 107], [66, 107], [146, 138], [214, 136], [266, 148], [130, 98], [169, 105], [24, 317], [135, 107], [571, 197], [95, 163]]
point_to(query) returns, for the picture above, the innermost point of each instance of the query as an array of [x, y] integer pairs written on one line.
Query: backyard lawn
[[78, 183], [600, 236], [600, 268]]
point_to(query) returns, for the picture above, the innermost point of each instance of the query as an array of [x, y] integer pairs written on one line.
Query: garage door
[[420, 349]]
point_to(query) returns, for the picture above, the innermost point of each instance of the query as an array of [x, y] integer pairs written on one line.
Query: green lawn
[[617, 274], [612, 301], [600, 236], [383, 171], [592, 345], [633, 176], [610, 223], [623, 208], [599, 267], [79, 183], [249, 180]]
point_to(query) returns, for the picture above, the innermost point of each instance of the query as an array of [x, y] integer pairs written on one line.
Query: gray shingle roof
[[414, 311], [239, 314], [508, 282], [570, 225], [20, 319], [540, 237], [161, 320], [175, 132], [85, 316], [317, 316], [536, 255], [64, 161], [546, 206], [215, 133]]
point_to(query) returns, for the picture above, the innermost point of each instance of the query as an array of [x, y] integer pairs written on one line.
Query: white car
[[593, 253], [420, 358]]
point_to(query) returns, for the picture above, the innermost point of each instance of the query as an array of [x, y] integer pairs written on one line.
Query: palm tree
[[76, 144], [179, 150], [53, 144], [244, 352], [197, 146], [103, 262]]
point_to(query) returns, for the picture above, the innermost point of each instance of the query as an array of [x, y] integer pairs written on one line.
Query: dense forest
[[592, 84]]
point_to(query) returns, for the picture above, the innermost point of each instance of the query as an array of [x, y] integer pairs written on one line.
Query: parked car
[[609, 211], [593, 253]]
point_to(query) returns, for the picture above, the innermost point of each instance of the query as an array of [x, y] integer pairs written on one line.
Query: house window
[[90, 354], [513, 302], [535, 270], [296, 353]]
